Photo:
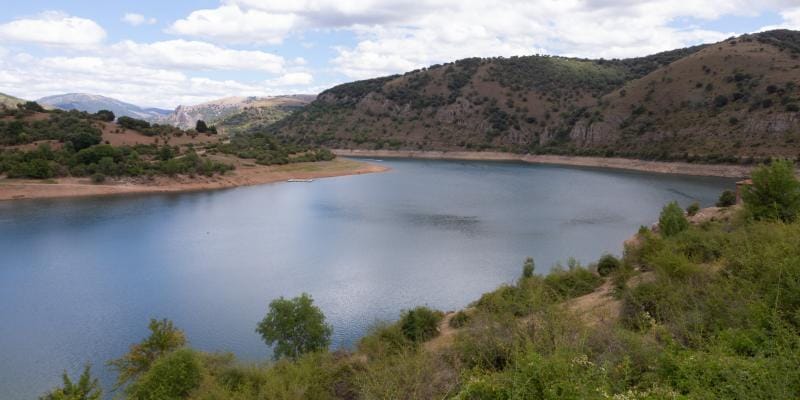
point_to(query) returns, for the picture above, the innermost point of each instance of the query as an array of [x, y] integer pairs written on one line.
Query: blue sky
[[165, 53]]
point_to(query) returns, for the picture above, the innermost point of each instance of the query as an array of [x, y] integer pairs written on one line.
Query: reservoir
[[80, 278]]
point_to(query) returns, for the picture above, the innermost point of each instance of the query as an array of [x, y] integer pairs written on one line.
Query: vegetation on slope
[[734, 101], [708, 311], [40, 144]]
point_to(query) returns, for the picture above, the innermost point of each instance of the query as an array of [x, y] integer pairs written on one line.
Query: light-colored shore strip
[[17, 189], [680, 168]]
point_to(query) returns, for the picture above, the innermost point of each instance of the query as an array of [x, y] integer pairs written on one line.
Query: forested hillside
[[733, 101]]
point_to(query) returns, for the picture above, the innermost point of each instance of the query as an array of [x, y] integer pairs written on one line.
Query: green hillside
[[733, 101]]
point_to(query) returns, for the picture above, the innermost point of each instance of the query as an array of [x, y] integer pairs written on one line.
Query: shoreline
[[661, 167], [244, 175]]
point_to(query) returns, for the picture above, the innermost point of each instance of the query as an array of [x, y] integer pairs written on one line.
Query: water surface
[[79, 278]]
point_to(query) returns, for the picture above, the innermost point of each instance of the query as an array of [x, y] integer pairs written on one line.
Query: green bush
[[607, 264], [173, 376], [672, 221], [726, 199], [420, 324], [86, 388], [458, 320], [775, 192], [573, 282], [693, 209]]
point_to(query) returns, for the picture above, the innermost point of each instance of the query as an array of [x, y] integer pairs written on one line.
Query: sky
[[165, 53]]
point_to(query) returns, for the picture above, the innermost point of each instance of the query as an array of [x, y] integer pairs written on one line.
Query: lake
[[80, 278]]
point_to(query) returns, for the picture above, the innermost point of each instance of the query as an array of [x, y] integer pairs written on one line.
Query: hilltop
[[93, 103], [237, 113], [8, 101], [732, 101]]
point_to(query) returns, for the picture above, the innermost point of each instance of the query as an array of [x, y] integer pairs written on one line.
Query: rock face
[[216, 111], [731, 101], [93, 103]]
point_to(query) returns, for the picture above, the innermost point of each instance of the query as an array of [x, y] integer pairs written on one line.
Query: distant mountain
[[9, 101], [732, 101], [237, 113], [93, 103]]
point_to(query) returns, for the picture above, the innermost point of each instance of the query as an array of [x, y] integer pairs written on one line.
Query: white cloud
[[292, 79], [194, 55], [134, 19], [54, 29], [398, 35], [791, 20], [232, 24], [33, 77]]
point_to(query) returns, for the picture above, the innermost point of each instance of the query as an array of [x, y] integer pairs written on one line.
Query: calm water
[[79, 279]]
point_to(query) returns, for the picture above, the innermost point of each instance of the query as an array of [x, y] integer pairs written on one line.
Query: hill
[[9, 101], [736, 100], [93, 103], [237, 113]]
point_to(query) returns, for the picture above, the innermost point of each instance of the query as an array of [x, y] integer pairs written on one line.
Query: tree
[[528, 267], [775, 192], [201, 126], [106, 115], [83, 140], [672, 221], [85, 389], [164, 338], [32, 106], [726, 199], [295, 326]]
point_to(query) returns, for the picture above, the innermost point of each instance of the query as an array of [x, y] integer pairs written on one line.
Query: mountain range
[[732, 101], [93, 103]]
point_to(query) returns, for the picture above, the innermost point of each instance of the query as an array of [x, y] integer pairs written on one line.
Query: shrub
[[164, 338], [459, 319], [105, 115], [420, 324], [528, 267], [86, 388], [607, 264], [296, 326], [775, 192], [672, 221], [693, 209], [173, 376], [726, 199], [573, 282], [98, 178]]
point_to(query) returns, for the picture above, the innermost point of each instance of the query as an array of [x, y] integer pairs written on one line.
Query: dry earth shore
[[682, 168], [246, 174]]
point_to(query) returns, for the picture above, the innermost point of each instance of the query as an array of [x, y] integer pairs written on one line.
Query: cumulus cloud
[[134, 19], [183, 54], [232, 24], [53, 29], [398, 35]]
